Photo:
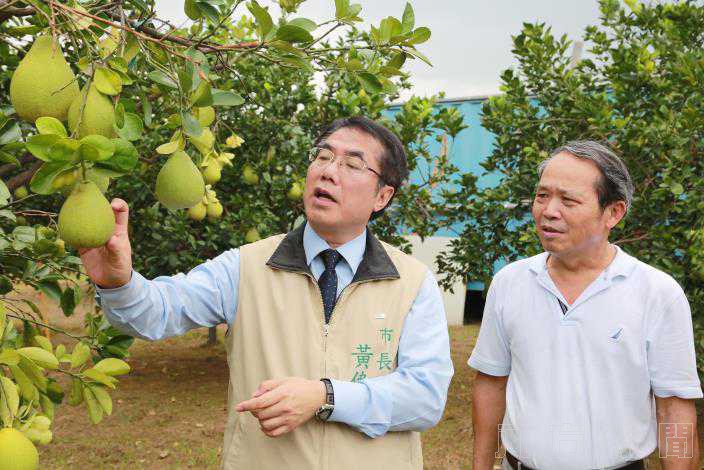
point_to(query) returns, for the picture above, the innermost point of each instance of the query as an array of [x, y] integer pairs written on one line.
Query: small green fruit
[[21, 192], [43, 83], [179, 184], [214, 210], [249, 175], [16, 451], [212, 173], [60, 247], [252, 235], [296, 192], [197, 212], [86, 219]]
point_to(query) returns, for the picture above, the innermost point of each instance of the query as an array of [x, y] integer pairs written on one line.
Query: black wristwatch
[[324, 412]]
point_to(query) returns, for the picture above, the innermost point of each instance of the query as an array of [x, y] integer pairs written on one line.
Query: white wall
[[426, 252]]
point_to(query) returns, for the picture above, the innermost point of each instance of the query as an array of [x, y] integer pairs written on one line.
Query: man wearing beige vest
[[337, 343]]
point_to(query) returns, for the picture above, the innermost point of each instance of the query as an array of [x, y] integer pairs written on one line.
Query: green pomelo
[[179, 184], [86, 219], [43, 83], [98, 114]]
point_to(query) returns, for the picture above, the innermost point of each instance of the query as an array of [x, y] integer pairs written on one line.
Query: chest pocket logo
[[617, 334]]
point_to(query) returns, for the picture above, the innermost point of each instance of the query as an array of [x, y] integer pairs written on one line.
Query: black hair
[[394, 163]]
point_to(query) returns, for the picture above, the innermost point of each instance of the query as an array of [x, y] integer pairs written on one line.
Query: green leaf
[[185, 78], [211, 13], [9, 357], [192, 11], [203, 95], [408, 21], [4, 194], [80, 354], [10, 132], [103, 398], [95, 411], [370, 82], [119, 64], [226, 98], [42, 180], [39, 145], [677, 189], [293, 33], [419, 36], [108, 82], [191, 126], [341, 8], [44, 343], [40, 357], [147, 110], [161, 78], [262, 17], [75, 395], [132, 128], [26, 388], [305, 23], [100, 377], [124, 159], [168, 148], [8, 158], [64, 150], [69, 300], [112, 366], [50, 126], [397, 61], [418, 55], [9, 401], [96, 148]]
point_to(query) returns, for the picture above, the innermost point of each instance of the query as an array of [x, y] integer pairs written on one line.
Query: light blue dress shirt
[[410, 398]]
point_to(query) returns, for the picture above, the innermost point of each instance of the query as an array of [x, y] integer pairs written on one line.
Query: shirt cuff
[[350, 402], [487, 367], [679, 391], [119, 296]]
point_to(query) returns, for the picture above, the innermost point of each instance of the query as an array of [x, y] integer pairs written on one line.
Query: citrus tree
[[638, 89], [96, 94]]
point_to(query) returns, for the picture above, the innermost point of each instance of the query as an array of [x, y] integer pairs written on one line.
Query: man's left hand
[[283, 405]]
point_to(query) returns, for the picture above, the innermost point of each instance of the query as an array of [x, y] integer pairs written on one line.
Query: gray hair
[[615, 183]]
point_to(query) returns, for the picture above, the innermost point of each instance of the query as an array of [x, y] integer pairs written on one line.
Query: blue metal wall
[[467, 151]]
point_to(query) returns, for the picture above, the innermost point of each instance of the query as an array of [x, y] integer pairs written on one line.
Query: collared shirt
[[580, 385], [411, 398]]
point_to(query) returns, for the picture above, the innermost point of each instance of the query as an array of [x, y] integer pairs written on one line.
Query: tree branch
[[7, 11], [18, 180]]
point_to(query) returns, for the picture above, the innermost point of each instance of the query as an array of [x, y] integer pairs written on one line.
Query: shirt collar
[[352, 251], [622, 265]]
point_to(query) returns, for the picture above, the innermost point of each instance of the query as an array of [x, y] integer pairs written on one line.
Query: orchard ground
[[170, 410]]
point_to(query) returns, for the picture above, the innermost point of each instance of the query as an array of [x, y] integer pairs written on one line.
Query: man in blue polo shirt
[[585, 356]]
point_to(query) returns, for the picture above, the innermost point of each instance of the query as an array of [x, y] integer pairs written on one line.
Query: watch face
[[324, 412]]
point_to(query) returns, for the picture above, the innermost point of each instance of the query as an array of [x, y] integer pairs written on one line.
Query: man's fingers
[[272, 423], [280, 431], [272, 412], [122, 212], [264, 401]]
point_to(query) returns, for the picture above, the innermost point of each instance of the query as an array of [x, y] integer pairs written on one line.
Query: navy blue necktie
[[328, 281]]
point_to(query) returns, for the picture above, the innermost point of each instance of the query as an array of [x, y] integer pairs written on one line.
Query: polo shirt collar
[[352, 251], [622, 265]]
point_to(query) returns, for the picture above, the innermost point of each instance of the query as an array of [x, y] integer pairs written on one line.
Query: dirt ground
[[170, 410]]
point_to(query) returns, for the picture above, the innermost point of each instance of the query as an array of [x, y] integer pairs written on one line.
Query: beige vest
[[279, 332]]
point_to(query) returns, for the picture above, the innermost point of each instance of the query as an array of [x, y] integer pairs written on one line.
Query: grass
[[170, 411]]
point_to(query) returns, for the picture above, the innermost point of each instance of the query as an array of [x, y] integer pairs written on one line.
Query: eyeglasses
[[321, 157]]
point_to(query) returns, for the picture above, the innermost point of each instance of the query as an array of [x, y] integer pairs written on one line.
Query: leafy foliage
[[639, 90]]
